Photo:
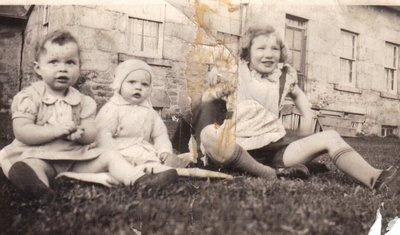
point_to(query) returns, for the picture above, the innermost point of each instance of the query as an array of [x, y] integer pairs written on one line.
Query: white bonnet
[[125, 68]]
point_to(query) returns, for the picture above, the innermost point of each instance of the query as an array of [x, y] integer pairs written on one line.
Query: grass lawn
[[327, 203]]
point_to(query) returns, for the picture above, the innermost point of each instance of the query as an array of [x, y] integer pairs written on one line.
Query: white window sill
[[150, 61], [347, 88], [388, 95]]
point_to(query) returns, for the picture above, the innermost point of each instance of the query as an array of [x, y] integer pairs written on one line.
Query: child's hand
[[228, 88], [221, 83], [164, 156], [63, 130], [76, 135]]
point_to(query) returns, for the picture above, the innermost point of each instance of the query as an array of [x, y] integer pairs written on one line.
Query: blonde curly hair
[[257, 30]]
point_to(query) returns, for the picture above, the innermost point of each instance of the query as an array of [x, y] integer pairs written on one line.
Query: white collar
[[73, 96]]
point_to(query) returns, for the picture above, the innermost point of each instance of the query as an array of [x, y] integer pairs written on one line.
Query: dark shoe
[[157, 180], [315, 167], [389, 180], [25, 179], [298, 171]]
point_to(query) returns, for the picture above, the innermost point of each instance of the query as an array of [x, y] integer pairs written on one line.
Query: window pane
[[392, 80], [150, 29], [295, 31], [347, 39], [150, 44], [136, 43], [290, 54], [347, 52], [135, 34], [389, 56], [137, 26], [297, 40], [298, 23], [389, 78], [350, 71], [348, 45], [289, 38], [345, 70], [143, 35], [296, 59]]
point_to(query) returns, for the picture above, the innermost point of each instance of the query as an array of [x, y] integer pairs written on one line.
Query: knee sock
[[353, 164], [241, 159]]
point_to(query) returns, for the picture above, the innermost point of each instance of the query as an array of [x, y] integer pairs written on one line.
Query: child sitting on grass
[[54, 125], [250, 136], [129, 124]]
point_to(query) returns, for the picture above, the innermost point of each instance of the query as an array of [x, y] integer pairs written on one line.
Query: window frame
[[351, 79], [298, 24], [388, 130], [392, 84], [160, 43]]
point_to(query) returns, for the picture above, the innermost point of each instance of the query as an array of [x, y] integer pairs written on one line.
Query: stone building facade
[[156, 32], [347, 57]]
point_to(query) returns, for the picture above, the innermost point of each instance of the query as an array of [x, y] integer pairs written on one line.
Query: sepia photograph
[[200, 117]]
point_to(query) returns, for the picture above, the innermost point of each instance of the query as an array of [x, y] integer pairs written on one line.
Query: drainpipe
[[20, 63]]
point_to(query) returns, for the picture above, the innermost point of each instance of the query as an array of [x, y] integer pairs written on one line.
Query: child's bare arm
[[26, 131], [304, 106]]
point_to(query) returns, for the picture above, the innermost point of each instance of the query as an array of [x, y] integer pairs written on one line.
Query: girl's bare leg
[[112, 162], [343, 156]]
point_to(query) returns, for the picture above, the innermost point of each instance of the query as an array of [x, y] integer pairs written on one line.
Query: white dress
[[136, 131]]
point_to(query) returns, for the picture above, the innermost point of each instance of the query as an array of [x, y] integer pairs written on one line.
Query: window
[[348, 57], [391, 67], [231, 41], [388, 130], [295, 40], [145, 37]]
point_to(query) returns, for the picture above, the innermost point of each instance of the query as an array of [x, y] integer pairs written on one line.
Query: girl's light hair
[[257, 30]]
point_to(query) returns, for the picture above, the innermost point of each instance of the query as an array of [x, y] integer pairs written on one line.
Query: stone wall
[[102, 32]]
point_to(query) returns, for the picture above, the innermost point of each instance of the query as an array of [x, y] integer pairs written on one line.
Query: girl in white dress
[[128, 122], [252, 129]]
